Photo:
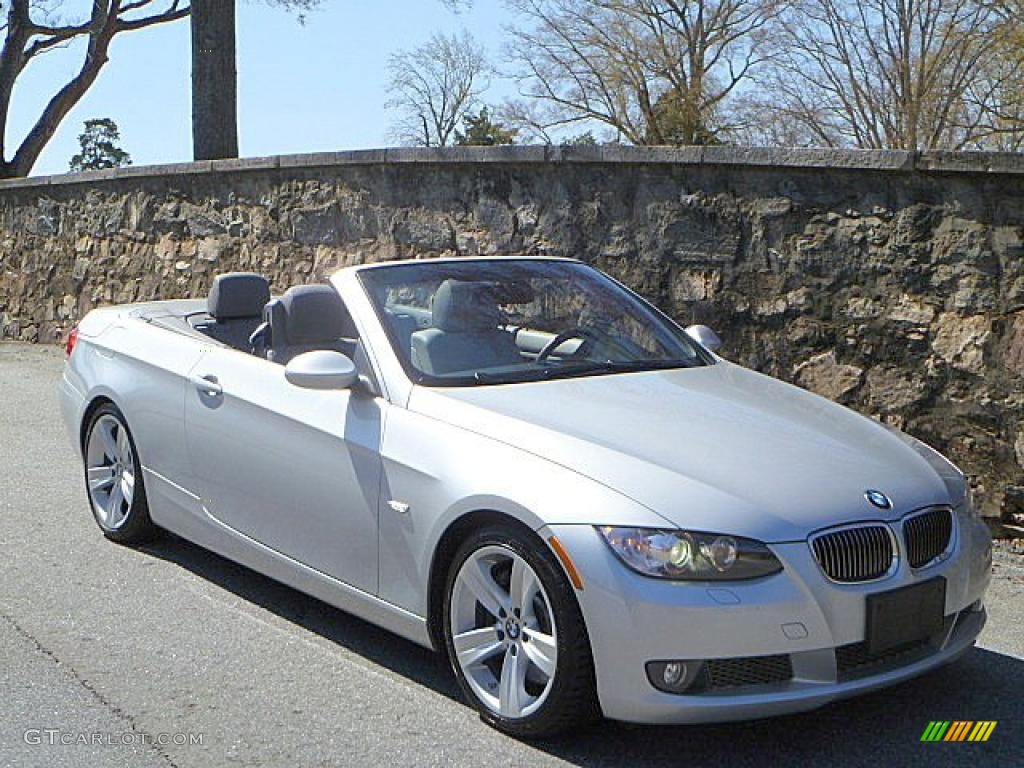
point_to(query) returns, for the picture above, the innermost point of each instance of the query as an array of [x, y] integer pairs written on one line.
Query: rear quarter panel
[[142, 368]]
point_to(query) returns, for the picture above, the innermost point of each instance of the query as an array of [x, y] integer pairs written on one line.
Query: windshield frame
[[481, 379]]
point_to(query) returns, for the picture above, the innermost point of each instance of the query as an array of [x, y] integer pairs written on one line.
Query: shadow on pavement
[[878, 729]]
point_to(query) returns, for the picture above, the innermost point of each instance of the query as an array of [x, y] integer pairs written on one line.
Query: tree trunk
[[214, 80]]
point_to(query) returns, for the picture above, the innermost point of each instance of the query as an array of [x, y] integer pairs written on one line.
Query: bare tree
[[434, 87], [879, 74], [654, 71], [33, 28], [995, 97]]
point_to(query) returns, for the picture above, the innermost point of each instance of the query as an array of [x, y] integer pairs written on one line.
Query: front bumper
[[797, 615]]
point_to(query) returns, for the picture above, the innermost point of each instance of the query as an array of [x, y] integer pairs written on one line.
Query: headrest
[[315, 313], [237, 294], [460, 307]]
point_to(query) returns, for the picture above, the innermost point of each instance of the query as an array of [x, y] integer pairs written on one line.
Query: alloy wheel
[[110, 471], [503, 632]]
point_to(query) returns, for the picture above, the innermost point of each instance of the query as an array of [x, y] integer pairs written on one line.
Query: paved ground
[[129, 645]]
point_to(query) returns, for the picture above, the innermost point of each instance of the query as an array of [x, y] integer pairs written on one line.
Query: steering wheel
[[585, 334]]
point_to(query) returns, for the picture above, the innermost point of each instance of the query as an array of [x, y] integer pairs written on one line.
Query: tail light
[[69, 345]]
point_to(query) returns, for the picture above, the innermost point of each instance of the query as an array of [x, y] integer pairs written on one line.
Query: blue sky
[[307, 88]]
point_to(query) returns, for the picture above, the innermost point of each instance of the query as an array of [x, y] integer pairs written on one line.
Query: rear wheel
[[515, 635], [113, 479]]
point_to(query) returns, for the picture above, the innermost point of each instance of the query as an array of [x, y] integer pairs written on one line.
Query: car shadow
[[377, 645], [880, 728]]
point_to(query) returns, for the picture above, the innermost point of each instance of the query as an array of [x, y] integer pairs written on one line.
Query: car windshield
[[510, 320]]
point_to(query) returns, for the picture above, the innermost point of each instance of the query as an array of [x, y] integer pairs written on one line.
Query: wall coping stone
[[892, 161]]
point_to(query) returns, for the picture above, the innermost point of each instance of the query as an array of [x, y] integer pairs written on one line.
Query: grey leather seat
[[235, 303], [465, 335], [308, 318]]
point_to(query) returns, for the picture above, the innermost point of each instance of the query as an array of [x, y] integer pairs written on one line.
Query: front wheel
[[113, 479], [515, 635]]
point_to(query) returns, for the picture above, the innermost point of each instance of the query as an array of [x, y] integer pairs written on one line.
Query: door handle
[[207, 384]]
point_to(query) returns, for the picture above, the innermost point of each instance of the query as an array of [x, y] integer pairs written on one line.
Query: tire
[[493, 638], [113, 479]]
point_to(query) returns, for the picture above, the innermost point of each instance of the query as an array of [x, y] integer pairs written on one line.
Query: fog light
[[676, 676], [673, 673]]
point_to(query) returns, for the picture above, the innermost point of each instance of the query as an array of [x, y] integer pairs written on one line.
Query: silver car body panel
[[346, 495]]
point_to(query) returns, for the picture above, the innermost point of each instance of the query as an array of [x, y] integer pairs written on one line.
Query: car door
[[296, 470]]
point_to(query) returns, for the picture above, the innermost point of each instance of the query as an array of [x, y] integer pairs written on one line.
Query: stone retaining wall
[[889, 281]]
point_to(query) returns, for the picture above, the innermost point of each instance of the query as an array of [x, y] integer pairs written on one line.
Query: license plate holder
[[905, 616]]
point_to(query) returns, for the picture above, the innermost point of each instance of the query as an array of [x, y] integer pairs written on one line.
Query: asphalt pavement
[[172, 656]]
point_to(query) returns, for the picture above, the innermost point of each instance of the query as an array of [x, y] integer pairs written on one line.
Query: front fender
[[443, 473]]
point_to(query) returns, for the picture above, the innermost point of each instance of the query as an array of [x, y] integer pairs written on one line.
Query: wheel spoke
[[477, 645], [128, 486], [122, 444], [106, 430], [100, 478], [541, 649], [512, 695], [522, 587], [478, 579], [114, 506]]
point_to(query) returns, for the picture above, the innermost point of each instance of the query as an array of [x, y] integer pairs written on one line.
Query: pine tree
[[99, 147], [480, 131]]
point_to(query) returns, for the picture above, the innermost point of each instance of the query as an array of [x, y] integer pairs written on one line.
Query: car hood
[[717, 448]]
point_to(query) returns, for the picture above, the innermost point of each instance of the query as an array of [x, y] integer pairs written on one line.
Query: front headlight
[[689, 555]]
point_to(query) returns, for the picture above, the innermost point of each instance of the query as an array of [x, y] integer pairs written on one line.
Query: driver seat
[[465, 333]]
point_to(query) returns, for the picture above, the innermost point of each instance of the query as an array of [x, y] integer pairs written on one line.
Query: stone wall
[[892, 282]]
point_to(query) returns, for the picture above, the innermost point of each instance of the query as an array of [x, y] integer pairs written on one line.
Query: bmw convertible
[[524, 465]]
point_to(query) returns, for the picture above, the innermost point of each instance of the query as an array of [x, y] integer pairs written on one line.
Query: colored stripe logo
[[959, 730]]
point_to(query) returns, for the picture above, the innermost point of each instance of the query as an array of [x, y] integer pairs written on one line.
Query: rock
[[80, 270], [862, 308], [773, 207], [1013, 357], [67, 306], [825, 376], [201, 222], [317, 226], [689, 285], [210, 249], [1018, 448], [1013, 504], [960, 340], [911, 310], [894, 389]]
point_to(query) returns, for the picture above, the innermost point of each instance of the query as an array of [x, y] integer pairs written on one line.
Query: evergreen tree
[[480, 130], [100, 148]]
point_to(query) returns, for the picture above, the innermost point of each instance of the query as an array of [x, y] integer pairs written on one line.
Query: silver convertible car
[[521, 463]]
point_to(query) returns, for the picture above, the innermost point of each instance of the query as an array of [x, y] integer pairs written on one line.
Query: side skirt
[[210, 533]]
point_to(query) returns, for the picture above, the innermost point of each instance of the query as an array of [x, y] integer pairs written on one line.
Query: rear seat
[[235, 305]]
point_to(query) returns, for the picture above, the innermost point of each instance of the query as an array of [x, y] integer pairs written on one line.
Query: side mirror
[[321, 369], [704, 336]]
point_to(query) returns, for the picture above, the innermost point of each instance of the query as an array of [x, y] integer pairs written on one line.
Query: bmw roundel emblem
[[878, 499]]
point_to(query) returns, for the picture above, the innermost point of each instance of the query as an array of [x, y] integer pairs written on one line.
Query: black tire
[[137, 527], [572, 700]]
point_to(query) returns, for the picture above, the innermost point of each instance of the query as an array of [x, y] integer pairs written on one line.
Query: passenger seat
[[308, 318]]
